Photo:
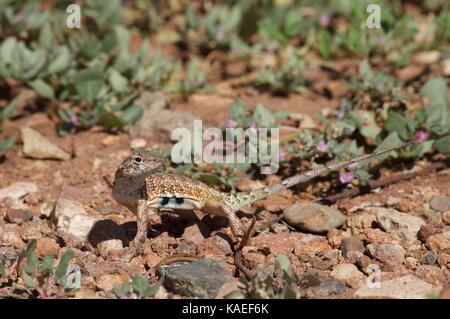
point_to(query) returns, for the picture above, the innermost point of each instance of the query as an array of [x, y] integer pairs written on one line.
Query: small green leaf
[[390, 141], [28, 280], [118, 82], [61, 61], [282, 263], [131, 114], [2, 270], [443, 144], [237, 111], [61, 269], [88, 84], [263, 116], [140, 285], [42, 88], [208, 178], [48, 263]]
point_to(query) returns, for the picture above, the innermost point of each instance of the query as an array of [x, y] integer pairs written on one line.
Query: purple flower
[[421, 136], [325, 20], [345, 177], [341, 113], [253, 128], [282, 154], [230, 123], [323, 147], [18, 17], [220, 35], [382, 40], [272, 46], [74, 120]]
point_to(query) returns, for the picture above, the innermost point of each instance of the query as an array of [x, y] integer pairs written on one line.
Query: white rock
[[138, 143], [106, 246], [405, 287], [400, 226], [72, 218], [349, 274], [18, 190], [37, 146]]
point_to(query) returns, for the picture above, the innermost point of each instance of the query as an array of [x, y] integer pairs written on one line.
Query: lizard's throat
[[127, 191]]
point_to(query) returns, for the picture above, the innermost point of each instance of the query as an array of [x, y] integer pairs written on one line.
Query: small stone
[[202, 279], [429, 258], [427, 57], [404, 287], [138, 143], [390, 255], [228, 288], [377, 236], [248, 185], [411, 262], [37, 146], [46, 246], [400, 226], [106, 282], [440, 242], [349, 274], [446, 67], [313, 217], [193, 234], [443, 260], [426, 231], [46, 209], [431, 274], [274, 203], [72, 218], [279, 228], [392, 201], [106, 247], [446, 217], [18, 216], [283, 243], [335, 237], [329, 287], [352, 247], [311, 245], [440, 203], [358, 222], [10, 238], [18, 190], [152, 260]]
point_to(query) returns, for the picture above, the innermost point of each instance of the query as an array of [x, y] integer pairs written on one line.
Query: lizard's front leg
[[143, 213]]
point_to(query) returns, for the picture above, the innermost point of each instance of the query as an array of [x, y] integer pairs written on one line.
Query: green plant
[[281, 283], [138, 288]]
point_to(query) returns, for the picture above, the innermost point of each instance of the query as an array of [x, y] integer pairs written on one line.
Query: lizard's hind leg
[[235, 223]]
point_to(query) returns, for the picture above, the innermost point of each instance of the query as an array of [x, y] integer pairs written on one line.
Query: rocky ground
[[65, 203]]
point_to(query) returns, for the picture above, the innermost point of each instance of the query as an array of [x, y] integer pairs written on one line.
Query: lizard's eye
[[137, 160]]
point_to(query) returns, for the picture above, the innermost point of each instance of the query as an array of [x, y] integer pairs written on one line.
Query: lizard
[[141, 185]]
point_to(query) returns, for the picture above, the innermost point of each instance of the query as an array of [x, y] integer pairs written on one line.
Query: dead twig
[[238, 260], [381, 183]]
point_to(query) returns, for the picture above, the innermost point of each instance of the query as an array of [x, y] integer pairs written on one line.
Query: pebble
[[431, 274], [440, 203], [400, 226], [443, 260], [440, 242], [404, 287], [18, 190], [349, 274], [352, 247], [37, 146], [329, 287], [313, 217], [72, 218], [137, 143], [106, 247], [106, 282], [279, 228], [429, 258], [18, 216], [202, 279], [193, 234], [390, 255], [446, 217]]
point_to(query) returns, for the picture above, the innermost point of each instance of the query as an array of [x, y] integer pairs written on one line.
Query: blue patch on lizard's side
[[165, 201]]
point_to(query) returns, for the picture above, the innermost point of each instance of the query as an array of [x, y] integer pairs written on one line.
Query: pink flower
[[272, 46], [230, 123], [18, 17], [325, 20], [382, 40], [282, 154], [74, 120], [345, 177], [421, 136], [253, 128], [323, 147]]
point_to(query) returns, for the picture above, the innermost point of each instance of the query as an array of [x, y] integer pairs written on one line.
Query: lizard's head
[[142, 162]]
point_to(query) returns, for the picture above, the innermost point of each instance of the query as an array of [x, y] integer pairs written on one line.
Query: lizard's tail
[[239, 200]]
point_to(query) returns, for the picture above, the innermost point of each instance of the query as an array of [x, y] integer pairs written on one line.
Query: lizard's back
[[178, 192]]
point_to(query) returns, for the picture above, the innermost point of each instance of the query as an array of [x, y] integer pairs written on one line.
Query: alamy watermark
[[253, 145]]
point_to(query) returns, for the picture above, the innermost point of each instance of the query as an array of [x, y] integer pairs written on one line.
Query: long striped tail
[[239, 200]]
